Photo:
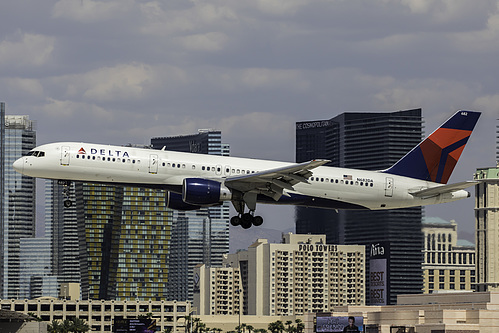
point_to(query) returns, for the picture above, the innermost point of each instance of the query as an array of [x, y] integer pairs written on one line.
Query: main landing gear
[[65, 192], [246, 220]]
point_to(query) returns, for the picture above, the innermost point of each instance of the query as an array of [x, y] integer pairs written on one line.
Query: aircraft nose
[[19, 165]]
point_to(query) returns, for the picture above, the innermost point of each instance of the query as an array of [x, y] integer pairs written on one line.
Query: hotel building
[[302, 274], [449, 263], [487, 228]]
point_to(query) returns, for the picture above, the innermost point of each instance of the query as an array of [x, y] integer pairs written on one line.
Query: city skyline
[[112, 72]]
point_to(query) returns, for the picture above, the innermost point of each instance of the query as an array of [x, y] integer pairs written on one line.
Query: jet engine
[[174, 201], [204, 192]]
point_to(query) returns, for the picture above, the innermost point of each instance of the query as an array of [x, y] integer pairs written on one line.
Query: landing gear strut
[[246, 220], [65, 192]]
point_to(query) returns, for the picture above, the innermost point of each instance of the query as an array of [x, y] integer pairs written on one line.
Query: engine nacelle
[[205, 192], [174, 201]]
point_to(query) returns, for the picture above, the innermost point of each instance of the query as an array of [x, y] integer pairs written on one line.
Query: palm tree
[[300, 326], [289, 329], [276, 327], [54, 327], [250, 328], [67, 326], [79, 326]]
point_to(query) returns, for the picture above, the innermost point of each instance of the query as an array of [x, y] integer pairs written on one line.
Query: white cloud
[[69, 110], [88, 11], [210, 42], [26, 50], [22, 87], [281, 7]]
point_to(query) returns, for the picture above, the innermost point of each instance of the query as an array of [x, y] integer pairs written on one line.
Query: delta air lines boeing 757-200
[[193, 181]]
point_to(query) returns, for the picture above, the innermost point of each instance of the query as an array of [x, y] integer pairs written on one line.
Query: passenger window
[[77, 156], [164, 163], [371, 185], [202, 168], [168, 164], [242, 171], [208, 168], [341, 181], [322, 180], [238, 171], [336, 181], [178, 166], [193, 167], [93, 158], [183, 166], [227, 170], [173, 165]]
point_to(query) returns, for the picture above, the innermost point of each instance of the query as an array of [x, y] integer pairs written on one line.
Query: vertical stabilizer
[[435, 157]]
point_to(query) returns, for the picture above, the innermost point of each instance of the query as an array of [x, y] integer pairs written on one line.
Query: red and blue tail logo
[[435, 157]]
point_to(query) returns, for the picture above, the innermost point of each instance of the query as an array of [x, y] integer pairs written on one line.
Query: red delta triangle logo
[[81, 151]]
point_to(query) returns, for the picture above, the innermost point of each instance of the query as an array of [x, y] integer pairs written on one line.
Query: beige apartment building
[[302, 274], [100, 315], [449, 263], [222, 290]]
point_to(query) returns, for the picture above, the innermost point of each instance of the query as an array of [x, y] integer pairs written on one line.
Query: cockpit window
[[36, 153]]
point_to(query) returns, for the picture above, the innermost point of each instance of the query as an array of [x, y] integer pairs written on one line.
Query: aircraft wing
[[432, 191], [273, 182]]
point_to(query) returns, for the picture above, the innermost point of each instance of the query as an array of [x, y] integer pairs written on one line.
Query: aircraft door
[[65, 155], [153, 163], [388, 187]]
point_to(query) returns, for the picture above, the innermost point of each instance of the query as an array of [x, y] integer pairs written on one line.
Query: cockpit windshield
[[36, 153]]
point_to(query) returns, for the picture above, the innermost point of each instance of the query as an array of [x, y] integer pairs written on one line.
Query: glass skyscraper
[[124, 235], [199, 236], [369, 141], [17, 199]]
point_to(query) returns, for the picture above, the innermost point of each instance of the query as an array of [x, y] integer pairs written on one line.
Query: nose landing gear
[[65, 192]]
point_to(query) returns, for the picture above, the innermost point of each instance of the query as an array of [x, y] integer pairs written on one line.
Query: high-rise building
[[61, 227], [302, 274], [36, 279], [487, 228], [200, 236], [124, 235], [369, 141], [449, 262], [17, 198], [218, 290]]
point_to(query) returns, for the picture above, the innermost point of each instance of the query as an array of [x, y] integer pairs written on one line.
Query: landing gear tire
[[235, 221], [68, 203], [257, 221], [246, 224]]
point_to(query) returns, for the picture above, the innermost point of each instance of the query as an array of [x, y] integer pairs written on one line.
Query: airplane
[[192, 181]]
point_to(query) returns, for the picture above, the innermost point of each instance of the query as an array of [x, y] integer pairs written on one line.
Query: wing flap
[[433, 191], [273, 182]]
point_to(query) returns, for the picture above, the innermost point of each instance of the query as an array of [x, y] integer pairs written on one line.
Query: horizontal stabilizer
[[432, 191]]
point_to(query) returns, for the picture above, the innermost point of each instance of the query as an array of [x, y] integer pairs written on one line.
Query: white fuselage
[[167, 169]]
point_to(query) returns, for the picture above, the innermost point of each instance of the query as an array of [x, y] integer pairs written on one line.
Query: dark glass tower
[[200, 236], [369, 141]]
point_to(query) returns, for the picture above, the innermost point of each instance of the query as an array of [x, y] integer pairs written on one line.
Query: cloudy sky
[[123, 71]]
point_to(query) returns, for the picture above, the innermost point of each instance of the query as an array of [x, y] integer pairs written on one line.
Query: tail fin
[[435, 157]]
